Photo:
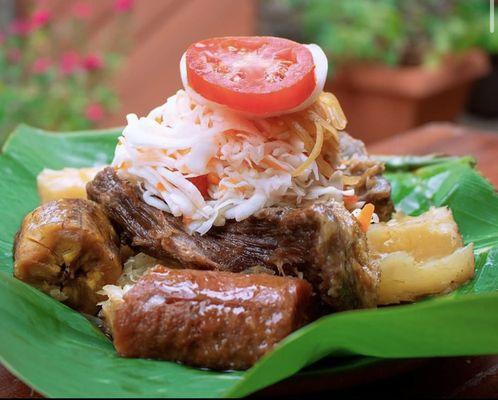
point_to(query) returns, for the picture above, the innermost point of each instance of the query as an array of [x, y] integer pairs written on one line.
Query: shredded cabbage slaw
[[248, 163]]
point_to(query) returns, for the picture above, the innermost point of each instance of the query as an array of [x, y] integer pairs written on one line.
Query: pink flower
[[82, 10], [70, 61], [92, 62], [14, 55], [40, 18], [41, 65], [20, 27], [94, 112], [123, 5]]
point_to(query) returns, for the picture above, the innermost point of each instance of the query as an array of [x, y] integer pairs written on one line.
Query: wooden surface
[[446, 139], [151, 73], [462, 377], [155, 35]]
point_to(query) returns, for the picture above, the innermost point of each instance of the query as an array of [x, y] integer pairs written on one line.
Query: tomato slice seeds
[[253, 74]]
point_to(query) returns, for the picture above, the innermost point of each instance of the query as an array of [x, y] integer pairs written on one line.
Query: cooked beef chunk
[[320, 241], [371, 186], [68, 249], [218, 320], [350, 147]]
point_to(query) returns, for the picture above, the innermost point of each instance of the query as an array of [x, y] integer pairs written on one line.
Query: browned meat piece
[[321, 241], [217, 320], [350, 147], [371, 186], [68, 249]]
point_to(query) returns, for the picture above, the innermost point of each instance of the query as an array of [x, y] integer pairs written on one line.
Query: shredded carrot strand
[[273, 163], [213, 178], [365, 216], [350, 200]]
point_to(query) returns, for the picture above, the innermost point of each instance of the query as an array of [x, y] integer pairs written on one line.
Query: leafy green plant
[[41, 340], [51, 77], [394, 32]]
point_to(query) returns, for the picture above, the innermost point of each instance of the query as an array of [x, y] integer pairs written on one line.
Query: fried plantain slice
[[69, 250]]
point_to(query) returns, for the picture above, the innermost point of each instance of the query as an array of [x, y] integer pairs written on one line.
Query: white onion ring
[[321, 67]]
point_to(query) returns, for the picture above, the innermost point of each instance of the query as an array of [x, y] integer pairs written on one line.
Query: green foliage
[[51, 77], [395, 32], [39, 331]]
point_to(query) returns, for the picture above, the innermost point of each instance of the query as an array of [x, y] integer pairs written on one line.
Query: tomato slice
[[201, 183], [253, 74]]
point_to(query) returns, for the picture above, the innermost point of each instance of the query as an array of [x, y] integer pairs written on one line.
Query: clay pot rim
[[413, 81]]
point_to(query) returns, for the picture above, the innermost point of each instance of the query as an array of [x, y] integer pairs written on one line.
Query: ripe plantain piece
[[67, 183], [419, 256], [69, 250]]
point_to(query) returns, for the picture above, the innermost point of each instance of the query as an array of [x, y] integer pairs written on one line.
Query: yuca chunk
[[67, 183], [432, 234], [218, 320], [419, 256], [68, 249], [404, 279]]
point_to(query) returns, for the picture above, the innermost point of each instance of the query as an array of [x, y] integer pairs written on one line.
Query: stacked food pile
[[241, 211]]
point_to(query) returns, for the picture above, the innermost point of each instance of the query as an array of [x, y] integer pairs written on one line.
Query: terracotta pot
[[380, 101]]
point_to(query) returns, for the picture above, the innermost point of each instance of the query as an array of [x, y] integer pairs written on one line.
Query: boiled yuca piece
[[67, 183], [69, 250], [404, 279], [419, 256], [432, 234]]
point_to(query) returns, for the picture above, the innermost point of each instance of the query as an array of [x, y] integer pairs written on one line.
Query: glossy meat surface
[[320, 241], [68, 249], [217, 320]]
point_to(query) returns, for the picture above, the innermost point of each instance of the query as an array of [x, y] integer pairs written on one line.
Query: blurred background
[[394, 64]]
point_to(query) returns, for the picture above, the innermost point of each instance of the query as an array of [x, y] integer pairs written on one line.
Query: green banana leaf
[[59, 352], [409, 163]]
